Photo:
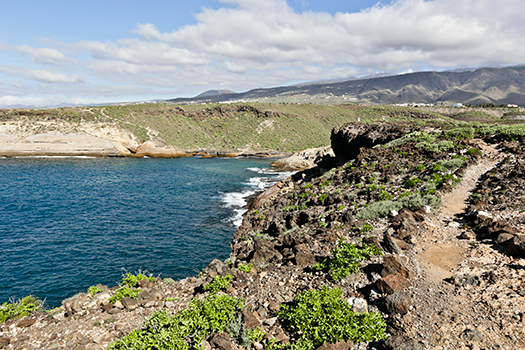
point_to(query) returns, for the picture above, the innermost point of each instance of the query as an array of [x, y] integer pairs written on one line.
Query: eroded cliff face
[[58, 138], [348, 139]]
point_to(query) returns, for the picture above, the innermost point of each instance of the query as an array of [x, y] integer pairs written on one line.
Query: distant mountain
[[210, 93], [484, 85]]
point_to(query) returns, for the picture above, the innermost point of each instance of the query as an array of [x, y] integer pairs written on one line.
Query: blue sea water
[[69, 223]]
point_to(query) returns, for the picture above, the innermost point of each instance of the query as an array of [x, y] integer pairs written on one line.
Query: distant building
[[512, 106], [459, 105]]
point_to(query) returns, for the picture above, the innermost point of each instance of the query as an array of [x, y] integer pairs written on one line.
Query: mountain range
[[480, 86]]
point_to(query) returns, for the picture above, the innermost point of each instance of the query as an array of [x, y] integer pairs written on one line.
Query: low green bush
[[132, 280], [347, 259], [505, 132], [20, 308], [125, 292], [410, 201], [94, 290], [441, 146], [448, 165], [218, 283], [245, 268], [323, 316], [187, 329], [459, 133], [412, 182]]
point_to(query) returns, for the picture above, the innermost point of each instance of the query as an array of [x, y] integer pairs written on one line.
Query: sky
[[57, 52]]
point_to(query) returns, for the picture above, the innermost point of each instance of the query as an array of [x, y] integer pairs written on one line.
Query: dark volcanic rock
[[349, 139], [397, 303], [392, 264], [392, 283], [221, 341], [402, 342], [517, 245], [265, 251]]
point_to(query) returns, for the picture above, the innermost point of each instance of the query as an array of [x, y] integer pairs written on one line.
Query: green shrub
[[448, 165], [408, 200], [245, 268], [506, 132], [187, 329], [417, 200], [347, 259], [19, 309], [366, 228], [255, 335], [378, 209], [125, 292], [459, 133], [323, 316], [442, 146], [132, 280], [412, 182], [218, 283], [94, 290], [325, 183]]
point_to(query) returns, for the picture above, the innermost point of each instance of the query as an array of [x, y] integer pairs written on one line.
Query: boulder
[[517, 245], [392, 264], [129, 303], [397, 303], [392, 283], [265, 251], [26, 322], [250, 321], [221, 341]]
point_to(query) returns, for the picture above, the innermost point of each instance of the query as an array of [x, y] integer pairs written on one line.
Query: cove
[[69, 223]]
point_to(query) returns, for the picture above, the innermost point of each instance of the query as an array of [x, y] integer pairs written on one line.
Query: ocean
[[69, 223]]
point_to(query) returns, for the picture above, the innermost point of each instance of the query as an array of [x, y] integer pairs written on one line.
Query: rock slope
[[446, 213]]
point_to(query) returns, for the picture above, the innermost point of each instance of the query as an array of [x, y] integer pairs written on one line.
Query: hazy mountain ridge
[[484, 85]]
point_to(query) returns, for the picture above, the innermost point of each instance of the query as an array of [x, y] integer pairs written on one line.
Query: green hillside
[[260, 126]]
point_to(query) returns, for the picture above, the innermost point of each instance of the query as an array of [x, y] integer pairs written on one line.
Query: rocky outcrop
[[302, 160], [348, 139]]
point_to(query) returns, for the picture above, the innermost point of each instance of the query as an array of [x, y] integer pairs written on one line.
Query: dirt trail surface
[[449, 278], [468, 296]]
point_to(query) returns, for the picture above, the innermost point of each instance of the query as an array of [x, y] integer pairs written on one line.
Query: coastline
[[448, 277]]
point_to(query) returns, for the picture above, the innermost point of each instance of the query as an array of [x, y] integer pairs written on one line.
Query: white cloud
[[394, 36], [39, 55], [136, 51], [44, 76]]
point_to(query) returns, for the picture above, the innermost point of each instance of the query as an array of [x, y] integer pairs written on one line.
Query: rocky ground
[[452, 273]]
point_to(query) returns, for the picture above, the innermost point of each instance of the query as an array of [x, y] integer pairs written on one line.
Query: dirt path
[[466, 297], [440, 251]]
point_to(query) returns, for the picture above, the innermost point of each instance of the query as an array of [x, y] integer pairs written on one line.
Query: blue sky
[[54, 52]]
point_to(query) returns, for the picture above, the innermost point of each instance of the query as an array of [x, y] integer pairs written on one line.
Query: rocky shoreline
[[445, 209]]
